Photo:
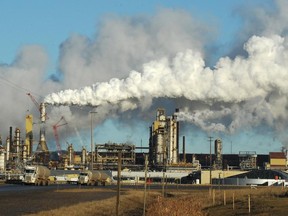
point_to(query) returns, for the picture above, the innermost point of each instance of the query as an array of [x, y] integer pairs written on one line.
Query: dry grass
[[175, 206], [264, 201], [131, 203]]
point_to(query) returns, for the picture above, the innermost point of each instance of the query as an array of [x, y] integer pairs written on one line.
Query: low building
[[278, 160]]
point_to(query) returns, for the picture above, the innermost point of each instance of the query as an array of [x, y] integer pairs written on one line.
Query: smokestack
[[184, 153], [11, 141], [42, 112], [177, 139]]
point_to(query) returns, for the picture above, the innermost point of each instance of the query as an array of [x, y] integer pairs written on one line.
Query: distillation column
[[29, 136], [42, 143]]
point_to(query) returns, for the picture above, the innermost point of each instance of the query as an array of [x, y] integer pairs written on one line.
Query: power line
[[16, 86]]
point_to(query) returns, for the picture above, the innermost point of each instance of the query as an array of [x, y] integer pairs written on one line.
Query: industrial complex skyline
[[111, 65]]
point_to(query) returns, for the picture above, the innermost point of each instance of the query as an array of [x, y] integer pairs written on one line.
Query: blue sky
[[52, 24]]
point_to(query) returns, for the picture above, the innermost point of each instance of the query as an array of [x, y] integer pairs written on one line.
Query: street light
[[92, 146]]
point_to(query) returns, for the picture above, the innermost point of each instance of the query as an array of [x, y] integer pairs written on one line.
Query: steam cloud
[[252, 87]]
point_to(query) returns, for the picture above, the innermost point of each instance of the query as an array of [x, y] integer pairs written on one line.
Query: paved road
[[17, 200]]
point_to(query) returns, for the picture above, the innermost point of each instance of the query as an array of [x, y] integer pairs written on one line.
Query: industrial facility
[[163, 153]]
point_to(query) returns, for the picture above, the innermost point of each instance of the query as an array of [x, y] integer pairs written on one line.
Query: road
[[16, 200]]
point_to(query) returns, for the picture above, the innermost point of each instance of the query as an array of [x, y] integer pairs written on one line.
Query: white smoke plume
[[253, 87]]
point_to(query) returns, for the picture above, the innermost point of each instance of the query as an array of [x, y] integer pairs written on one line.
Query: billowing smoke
[[252, 89]]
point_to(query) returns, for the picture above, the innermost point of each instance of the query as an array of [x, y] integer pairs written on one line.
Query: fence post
[[249, 203], [213, 197], [233, 200], [163, 184], [145, 185]]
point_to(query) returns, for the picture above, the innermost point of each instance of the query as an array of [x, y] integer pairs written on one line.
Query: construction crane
[[55, 126], [40, 107]]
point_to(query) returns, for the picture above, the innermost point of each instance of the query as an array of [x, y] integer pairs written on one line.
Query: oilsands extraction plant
[[163, 152]]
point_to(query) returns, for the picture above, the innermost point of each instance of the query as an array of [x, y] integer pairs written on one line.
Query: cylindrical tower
[[160, 151], [218, 148], [65, 163], [2, 159], [29, 135], [11, 140], [218, 153], [42, 112], [83, 156], [24, 153], [184, 153], [8, 149], [17, 142], [70, 155]]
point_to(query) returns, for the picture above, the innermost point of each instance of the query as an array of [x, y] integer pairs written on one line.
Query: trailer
[[94, 177], [36, 175]]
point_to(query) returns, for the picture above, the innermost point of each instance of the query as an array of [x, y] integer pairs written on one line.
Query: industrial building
[[164, 140], [106, 155], [163, 154]]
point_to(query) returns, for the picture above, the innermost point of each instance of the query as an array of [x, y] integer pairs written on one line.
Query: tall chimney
[[11, 141], [184, 153]]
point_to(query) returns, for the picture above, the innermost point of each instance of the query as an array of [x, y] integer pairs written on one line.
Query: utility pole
[[92, 145], [118, 182], [145, 184], [210, 167]]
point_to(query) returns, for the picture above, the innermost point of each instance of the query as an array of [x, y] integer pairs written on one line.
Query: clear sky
[[47, 46], [49, 23]]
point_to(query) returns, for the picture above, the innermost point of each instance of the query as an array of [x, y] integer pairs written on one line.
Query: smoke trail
[[241, 81]]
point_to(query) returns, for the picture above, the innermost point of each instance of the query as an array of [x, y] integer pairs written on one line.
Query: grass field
[[263, 201]]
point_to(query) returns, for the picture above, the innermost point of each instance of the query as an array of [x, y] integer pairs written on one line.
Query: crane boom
[[34, 101], [40, 107], [55, 126]]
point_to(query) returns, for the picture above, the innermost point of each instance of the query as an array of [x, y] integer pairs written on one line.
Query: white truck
[[36, 175], [94, 177]]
